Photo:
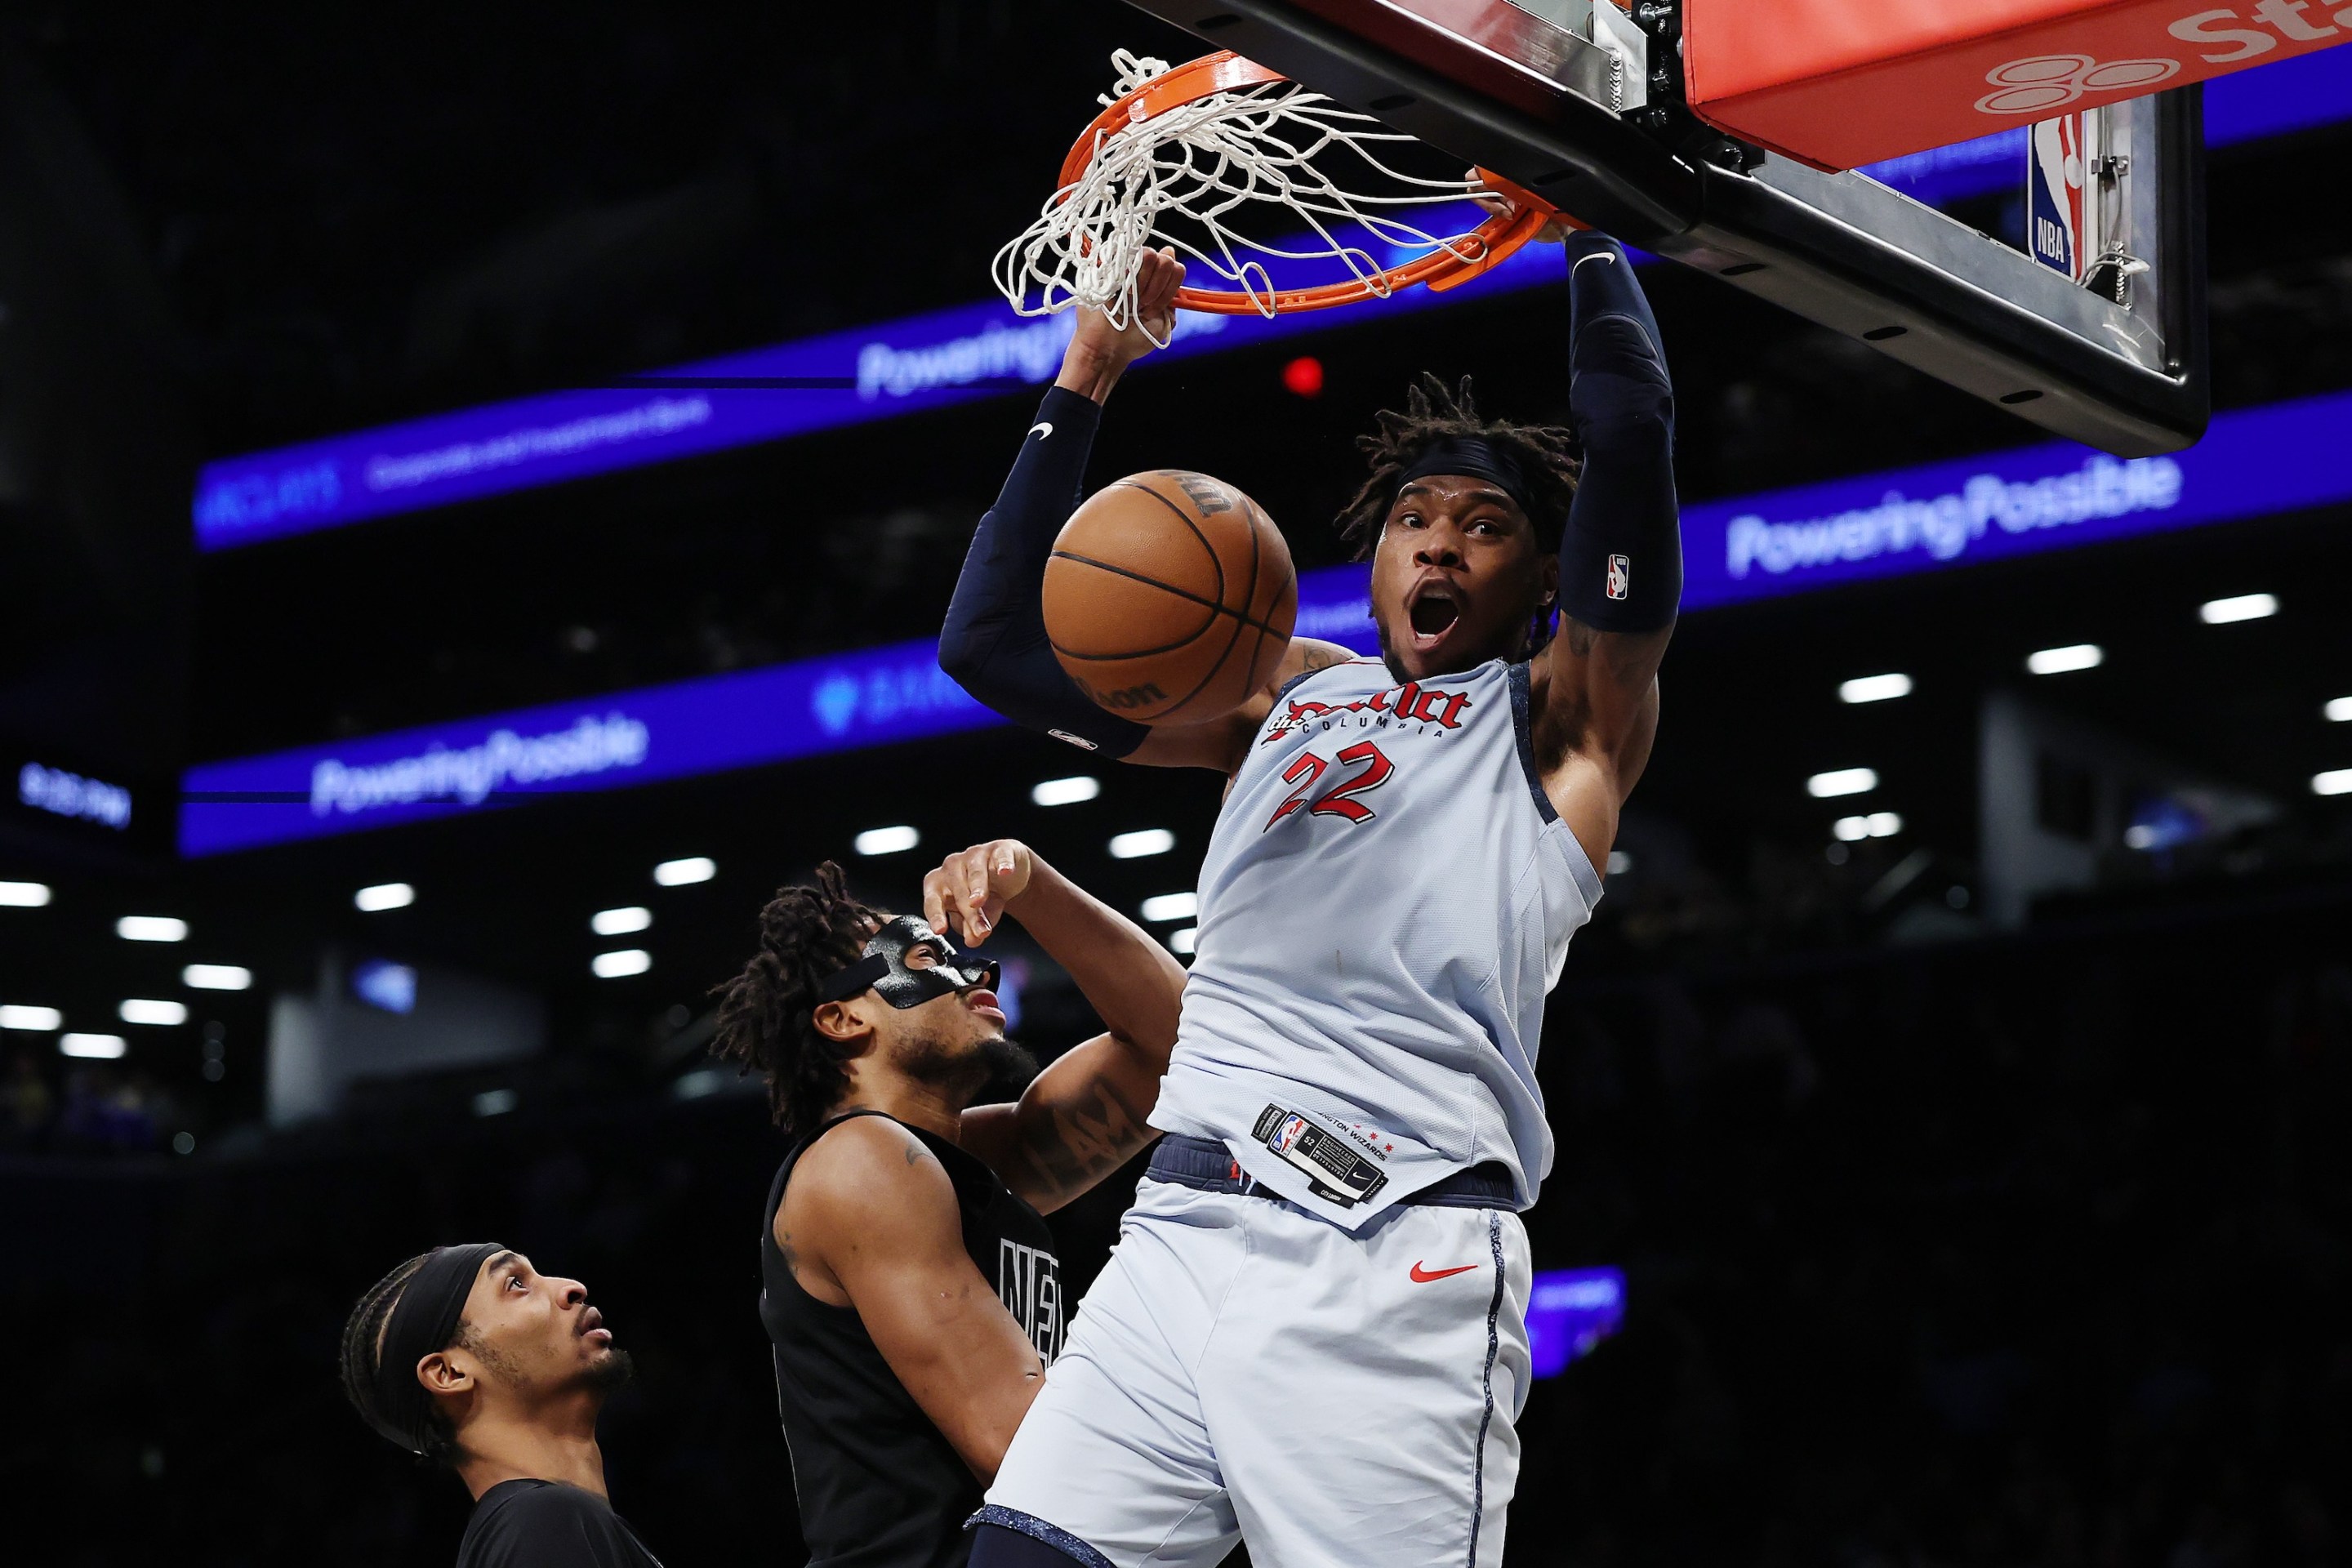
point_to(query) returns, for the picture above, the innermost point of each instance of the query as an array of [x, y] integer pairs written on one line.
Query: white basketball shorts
[[1242, 1369]]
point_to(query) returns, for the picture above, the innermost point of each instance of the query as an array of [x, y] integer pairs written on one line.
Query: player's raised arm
[[1086, 1115], [993, 642], [1620, 557]]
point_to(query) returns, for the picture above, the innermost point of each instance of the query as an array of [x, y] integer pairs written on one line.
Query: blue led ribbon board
[[1569, 1312], [928, 362], [940, 359], [703, 726], [2253, 462]]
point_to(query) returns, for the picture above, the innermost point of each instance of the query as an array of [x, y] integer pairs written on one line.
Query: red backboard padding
[[1841, 83]]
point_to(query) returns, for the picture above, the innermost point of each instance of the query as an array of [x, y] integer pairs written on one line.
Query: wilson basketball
[[1169, 597]]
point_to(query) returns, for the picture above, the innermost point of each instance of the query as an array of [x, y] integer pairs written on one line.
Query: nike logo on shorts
[[1424, 1276], [1043, 427]]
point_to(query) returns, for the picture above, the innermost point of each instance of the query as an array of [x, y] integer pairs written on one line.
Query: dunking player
[[1312, 1333], [911, 1291], [469, 1356]]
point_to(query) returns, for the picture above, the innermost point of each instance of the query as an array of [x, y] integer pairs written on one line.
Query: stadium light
[[151, 928], [2339, 711], [496, 1102], [1876, 824], [622, 921], [148, 1010], [24, 895], [682, 873], [2239, 608], [2065, 660], [893, 840], [20, 1016], [216, 977], [620, 965], [1184, 938], [1172, 907], [1144, 841], [1875, 688], [1065, 792], [1840, 781], [2336, 781], [385, 896], [97, 1048]]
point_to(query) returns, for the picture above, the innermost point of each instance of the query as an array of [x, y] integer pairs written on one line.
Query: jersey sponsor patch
[[1335, 1173], [1029, 1282]]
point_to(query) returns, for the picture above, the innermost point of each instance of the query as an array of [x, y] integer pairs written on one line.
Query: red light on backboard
[[1304, 375]]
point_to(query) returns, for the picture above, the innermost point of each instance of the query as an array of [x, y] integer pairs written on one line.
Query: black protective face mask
[[883, 968]]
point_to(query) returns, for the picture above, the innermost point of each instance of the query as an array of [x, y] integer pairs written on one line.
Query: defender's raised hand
[[970, 888]]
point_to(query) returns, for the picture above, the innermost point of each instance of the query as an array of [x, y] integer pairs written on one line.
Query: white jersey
[[1386, 899]]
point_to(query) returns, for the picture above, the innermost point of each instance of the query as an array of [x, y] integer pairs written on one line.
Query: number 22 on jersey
[[1307, 771]]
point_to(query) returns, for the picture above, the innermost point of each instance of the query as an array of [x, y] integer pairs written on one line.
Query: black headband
[[423, 1321], [1481, 459]]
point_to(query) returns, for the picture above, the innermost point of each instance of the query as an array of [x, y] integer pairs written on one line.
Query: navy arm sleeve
[[1621, 556], [994, 644]]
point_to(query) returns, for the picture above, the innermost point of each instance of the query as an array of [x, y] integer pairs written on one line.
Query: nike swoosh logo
[[1421, 1276], [1043, 427]]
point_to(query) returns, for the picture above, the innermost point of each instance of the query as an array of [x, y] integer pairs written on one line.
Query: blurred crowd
[[2009, 1251], [48, 1105]]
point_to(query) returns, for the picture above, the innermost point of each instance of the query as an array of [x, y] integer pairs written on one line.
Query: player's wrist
[[1091, 369], [1042, 879]]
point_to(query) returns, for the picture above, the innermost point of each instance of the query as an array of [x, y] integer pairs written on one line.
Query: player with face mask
[[911, 1291]]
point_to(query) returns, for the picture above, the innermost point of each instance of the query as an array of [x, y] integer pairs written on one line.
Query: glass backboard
[[1582, 103]]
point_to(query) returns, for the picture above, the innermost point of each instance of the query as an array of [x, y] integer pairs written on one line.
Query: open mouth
[[1433, 610], [984, 1002], [592, 1321]]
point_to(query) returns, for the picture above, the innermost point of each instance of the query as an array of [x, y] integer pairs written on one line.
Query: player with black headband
[[911, 1291], [1312, 1335], [469, 1357]]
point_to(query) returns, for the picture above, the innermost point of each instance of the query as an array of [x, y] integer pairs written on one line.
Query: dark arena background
[[1957, 1073]]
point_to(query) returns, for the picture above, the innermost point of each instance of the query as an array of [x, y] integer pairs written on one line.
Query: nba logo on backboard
[[1287, 1134], [1620, 576], [2054, 173]]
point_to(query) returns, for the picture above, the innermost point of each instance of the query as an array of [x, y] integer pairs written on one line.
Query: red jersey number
[[1337, 801]]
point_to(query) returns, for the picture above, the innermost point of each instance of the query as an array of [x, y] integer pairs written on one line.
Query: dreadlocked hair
[[1434, 413], [807, 933], [362, 1353]]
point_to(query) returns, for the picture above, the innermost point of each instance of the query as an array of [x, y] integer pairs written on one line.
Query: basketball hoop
[[1208, 139]]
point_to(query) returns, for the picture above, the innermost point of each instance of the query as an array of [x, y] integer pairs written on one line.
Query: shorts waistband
[[1208, 1165]]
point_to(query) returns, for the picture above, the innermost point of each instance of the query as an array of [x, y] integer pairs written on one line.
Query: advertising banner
[[1838, 84]]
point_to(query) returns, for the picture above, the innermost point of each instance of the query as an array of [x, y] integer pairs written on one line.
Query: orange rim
[[1481, 249]]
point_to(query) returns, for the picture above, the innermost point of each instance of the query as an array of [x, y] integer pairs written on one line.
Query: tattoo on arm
[[1083, 1140], [1324, 658]]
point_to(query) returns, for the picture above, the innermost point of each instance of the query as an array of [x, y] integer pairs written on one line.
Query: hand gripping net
[[1205, 144]]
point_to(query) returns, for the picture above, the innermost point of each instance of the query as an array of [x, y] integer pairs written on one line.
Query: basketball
[[1170, 596]]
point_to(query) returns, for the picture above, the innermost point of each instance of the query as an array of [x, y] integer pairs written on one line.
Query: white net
[[1187, 177]]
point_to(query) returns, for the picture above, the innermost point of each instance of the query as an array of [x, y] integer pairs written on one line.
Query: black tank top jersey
[[879, 1486]]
